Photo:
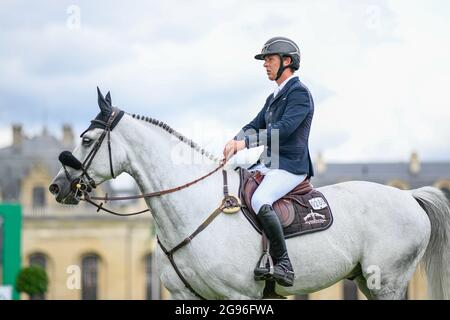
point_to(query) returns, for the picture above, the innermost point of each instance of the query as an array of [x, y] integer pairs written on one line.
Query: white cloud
[[5, 136], [381, 68]]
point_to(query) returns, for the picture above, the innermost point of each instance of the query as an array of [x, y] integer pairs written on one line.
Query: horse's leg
[[392, 286], [170, 279], [177, 289], [395, 294], [361, 282], [387, 278]]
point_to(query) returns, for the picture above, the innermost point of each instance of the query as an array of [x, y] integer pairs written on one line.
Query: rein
[[157, 193], [229, 204], [90, 199]]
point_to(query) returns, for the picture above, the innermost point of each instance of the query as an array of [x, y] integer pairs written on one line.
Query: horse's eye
[[86, 141]]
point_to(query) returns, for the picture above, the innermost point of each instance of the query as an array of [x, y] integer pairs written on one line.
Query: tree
[[33, 281]]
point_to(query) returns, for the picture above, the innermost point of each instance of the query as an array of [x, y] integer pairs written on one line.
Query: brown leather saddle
[[303, 210]]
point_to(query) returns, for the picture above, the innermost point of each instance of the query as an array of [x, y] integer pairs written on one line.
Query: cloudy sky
[[378, 70]]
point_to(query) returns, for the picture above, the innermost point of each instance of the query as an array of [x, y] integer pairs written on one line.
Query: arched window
[[39, 197], [39, 260], [153, 286], [89, 277], [350, 290]]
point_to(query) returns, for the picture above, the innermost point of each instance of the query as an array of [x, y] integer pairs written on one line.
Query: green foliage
[[32, 280]]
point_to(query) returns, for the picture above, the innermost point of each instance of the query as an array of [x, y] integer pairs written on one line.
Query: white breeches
[[275, 185]]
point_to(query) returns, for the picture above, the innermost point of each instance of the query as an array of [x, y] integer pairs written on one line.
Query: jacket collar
[[283, 84], [284, 89]]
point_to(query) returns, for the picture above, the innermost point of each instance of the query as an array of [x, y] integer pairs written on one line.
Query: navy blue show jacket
[[291, 112]]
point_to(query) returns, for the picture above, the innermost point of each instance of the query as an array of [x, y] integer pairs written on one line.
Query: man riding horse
[[391, 229], [284, 123]]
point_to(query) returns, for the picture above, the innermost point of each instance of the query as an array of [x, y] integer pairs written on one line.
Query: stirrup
[[262, 271]]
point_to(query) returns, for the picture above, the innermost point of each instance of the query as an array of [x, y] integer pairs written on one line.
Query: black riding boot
[[283, 272]]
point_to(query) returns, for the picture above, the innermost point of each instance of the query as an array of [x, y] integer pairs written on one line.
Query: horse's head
[[95, 159]]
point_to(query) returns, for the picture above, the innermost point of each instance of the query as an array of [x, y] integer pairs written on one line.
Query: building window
[[39, 197], [350, 290], [38, 260], [89, 277], [153, 286]]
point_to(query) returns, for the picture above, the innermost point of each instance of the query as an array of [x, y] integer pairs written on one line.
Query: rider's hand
[[231, 148]]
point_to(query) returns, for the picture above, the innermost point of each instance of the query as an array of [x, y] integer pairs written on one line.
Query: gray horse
[[379, 235]]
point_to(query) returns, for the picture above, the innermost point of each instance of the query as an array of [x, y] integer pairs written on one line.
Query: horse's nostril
[[54, 189]]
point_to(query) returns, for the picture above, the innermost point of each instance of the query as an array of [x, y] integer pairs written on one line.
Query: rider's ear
[[108, 98], [105, 108], [288, 60]]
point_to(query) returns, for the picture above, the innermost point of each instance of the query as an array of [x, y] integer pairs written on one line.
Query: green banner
[[11, 216]]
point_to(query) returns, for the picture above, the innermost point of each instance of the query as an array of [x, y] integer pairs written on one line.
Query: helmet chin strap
[[281, 68]]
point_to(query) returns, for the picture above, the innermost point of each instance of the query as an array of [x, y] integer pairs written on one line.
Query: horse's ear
[[108, 98], [105, 108]]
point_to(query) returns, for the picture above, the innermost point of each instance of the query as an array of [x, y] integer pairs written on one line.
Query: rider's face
[[272, 64]]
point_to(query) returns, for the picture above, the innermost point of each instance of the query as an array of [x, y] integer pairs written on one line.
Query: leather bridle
[[83, 185]]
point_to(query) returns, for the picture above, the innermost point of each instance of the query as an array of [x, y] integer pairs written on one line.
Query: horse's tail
[[437, 255]]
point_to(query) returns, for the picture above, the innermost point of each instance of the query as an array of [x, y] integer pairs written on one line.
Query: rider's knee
[[257, 203]]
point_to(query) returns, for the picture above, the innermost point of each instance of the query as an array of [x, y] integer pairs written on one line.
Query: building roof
[[429, 173], [17, 160]]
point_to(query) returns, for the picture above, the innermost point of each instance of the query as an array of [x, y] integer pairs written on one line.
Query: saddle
[[303, 210]]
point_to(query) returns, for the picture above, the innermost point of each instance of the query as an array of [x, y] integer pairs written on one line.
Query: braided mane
[[175, 133]]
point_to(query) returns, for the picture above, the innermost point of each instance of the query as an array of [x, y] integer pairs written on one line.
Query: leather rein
[[82, 189], [106, 198]]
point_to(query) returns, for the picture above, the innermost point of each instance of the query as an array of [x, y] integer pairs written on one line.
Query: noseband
[[84, 184]]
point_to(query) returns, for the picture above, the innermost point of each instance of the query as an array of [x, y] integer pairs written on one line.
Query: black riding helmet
[[283, 47]]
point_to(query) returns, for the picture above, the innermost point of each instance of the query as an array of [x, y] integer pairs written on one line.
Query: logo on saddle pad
[[317, 203], [314, 218]]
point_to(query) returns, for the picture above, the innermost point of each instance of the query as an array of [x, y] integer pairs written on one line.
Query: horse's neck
[[157, 161]]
